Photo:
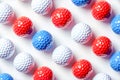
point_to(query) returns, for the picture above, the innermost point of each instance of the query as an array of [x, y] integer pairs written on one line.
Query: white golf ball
[[102, 76], [6, 13], [24, 62], [7, 48], [62, 55], [42, 7], [81, 33]]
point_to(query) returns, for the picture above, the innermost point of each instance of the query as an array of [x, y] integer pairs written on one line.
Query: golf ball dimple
[[81, 33], [115, 61], [42, 40], [102, 46], [23, 26], [82, 69], [115, 24], [7, 48], [6, 13], [43, 73], [42, 7], [102, 76], [81, 3], [61, 17], [101, 10], [5, 76], [62, 55], [24, 62]]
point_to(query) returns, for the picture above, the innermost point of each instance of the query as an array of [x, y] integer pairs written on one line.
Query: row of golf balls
[[6, 76], [62, 55], [61, 17], [48, 40]]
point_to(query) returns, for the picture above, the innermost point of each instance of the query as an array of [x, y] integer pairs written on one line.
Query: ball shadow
[[11, 22], [34, 30], [33, 70], [49, 51], [89, 6], [70, 26], [110, 54], [109, 19], [14, 55], [89, 43], [92, 75], [71, 63]]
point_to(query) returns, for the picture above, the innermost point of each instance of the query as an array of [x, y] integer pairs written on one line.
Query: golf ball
[[101, 10], [115, 61], [5, 76], [61, 17], [62, 55], [42, 40], [24, 62], [82, 69], [102, 76], [42, 7], [102, 46], [23, 26], [115, 24], [7, 48], [81, 3], [81, 33], [43, 73], [6, 13]]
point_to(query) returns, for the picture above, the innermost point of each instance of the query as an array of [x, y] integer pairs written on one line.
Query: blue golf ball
[[5, 76], [42, 40], [115, 61], [115, 24], [81, 2]]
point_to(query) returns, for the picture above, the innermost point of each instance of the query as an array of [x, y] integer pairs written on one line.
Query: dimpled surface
[[43, 73], [42, 6], [102, 76], [62, 55], [24, 62], [5, 76], [42, 40], [115, 61], [115, 24], [60, 17], [101, 10], [81, 2], [101, 46], [81, 68], [7, 48], [22, 26], [81, 33], [6, 12]]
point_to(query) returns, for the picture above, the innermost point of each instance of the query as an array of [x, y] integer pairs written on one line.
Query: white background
[[61, 37]]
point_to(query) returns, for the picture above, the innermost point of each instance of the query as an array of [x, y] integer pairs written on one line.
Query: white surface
[[61, 37], [102, 76]]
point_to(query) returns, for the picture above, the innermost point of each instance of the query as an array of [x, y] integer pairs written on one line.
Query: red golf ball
[[23, 26], [101, 10], [82, 69], [101, 46], [43, 73], [61, 17]]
